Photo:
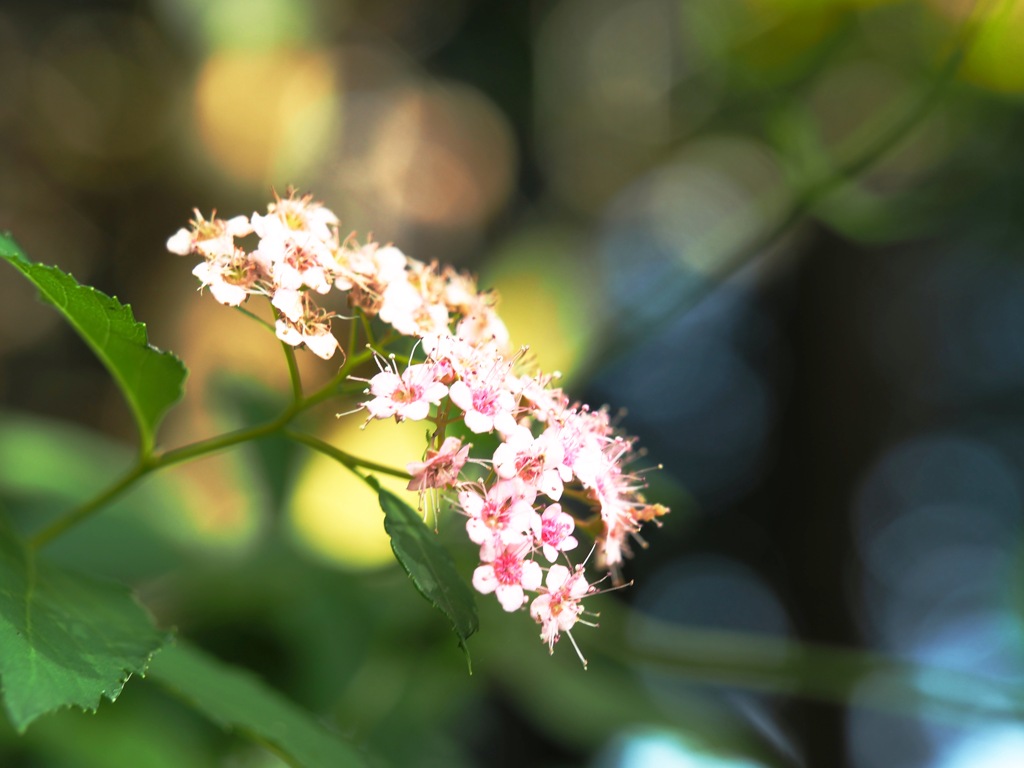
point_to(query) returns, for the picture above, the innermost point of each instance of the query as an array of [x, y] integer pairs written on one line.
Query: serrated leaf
[[151, 380], [65, 639], [238, 700], [428, 564]]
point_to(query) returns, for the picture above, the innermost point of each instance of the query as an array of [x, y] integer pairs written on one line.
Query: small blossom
[[367, 271], [405, 396], [296, 218], [486, 406], [313, 330], [229, 278], [553, 532], [508, 573], [212, 239], [558, 608], [410, 312], [501, 514], [441, 467], [532, 461]]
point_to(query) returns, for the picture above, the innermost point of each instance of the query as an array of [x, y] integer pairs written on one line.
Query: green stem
[[80, 513], [353, 336], [152, 462], [219, 443], [367, 329], [353, 463], [257, 318], [293, 372]]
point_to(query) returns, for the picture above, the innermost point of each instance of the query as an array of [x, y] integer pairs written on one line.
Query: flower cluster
[[557, 464], [549, 449], [299, 255]]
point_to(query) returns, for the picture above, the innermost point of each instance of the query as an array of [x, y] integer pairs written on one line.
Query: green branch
[[83, 511], [293, 372], [159, 460], [353, 463]]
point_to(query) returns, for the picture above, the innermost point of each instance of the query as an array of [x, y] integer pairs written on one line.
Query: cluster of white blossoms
[[549, 449]]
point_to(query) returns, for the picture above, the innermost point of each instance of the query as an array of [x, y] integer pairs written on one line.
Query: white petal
[[322, 345], [477, 422], [288, 334], [229, 294], [511, 597], [532, 575], [484, 580], [238, 226], [180, 242], [557, 576], [289, 301]]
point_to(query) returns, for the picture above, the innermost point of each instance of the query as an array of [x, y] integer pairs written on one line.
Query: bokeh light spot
[[547, 297], [442, 156], [266, 116], [335, 515], [664, 749]]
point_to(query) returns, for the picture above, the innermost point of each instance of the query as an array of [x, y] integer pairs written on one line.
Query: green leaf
[[236, 699], [428, 564], [151, 380], [65, 639]]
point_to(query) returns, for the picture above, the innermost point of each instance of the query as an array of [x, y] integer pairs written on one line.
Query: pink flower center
[[555, 605], [409, 393], [554, 531], [485, 401], [495, 513], [299, 259], [508, 569], [528, 468]]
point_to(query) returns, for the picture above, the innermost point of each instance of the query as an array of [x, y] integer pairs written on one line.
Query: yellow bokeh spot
[[546, 298], [995, 59], [263, 115], [333, 513]]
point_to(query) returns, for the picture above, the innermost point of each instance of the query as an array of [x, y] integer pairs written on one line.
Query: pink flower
[[408, 396], [502, 515], [549, 445], [581, 434], [441, 467], [558, 609], [618, 494], [553, 532], [508, 573], [535, 462], [457, 357], [544, 400], [487, 407]]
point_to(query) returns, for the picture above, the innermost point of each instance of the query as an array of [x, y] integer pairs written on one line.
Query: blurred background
[[783, 236]]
